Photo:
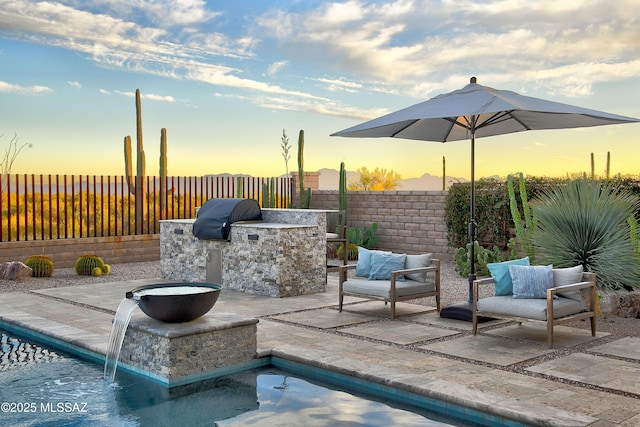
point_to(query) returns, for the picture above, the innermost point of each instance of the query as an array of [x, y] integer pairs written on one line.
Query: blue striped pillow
[[531, 281]]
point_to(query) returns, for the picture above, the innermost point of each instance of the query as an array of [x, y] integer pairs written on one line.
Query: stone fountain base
[[182, 353]]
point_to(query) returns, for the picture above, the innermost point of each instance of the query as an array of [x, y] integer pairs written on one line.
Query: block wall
[[408, 221], [65, 252]]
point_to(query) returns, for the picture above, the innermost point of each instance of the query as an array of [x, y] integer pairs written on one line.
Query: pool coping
[[280, 341]]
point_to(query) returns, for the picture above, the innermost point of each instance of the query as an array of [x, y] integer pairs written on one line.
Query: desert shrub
[[585, 222]]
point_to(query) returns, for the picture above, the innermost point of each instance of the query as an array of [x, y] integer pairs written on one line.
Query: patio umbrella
[[472, 112]]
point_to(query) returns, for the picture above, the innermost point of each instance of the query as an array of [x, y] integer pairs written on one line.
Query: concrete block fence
[[65, 252], [408, 221]]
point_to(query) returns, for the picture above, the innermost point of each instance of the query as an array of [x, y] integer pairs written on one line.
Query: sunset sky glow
[[225, 78]]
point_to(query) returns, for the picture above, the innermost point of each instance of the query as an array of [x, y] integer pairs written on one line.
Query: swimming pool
[[40, 386]]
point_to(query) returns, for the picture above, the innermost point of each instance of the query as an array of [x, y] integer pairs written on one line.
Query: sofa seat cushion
[[382, 288], [529, 308]]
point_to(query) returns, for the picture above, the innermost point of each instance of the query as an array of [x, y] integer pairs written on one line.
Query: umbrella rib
[[455, 122], [499, 117], [405, 127]]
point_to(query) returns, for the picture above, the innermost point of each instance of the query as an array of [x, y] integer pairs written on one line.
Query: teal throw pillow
[[383, 263], [500, 273], [531, 281], [363, 266]]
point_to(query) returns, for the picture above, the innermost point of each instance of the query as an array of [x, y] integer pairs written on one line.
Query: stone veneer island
[[283, 255]]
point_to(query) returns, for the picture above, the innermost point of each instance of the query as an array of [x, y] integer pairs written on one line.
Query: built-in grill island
[[280, 255]]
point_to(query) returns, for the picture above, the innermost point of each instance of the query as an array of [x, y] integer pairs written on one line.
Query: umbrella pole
[[464, 310], [472, 215]]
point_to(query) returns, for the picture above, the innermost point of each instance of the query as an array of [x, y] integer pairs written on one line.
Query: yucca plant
[[585, 222]]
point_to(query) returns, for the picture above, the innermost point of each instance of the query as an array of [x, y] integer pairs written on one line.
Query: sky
[[226, 78]]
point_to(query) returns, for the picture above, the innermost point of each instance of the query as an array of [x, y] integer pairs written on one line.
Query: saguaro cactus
[[163, 169], [525, 227], [139, 188], [342, 189], [269, 194], [239, 187], [444, 174], [305, 194]]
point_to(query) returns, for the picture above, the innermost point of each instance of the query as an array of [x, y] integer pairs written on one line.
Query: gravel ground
[[454, 289]]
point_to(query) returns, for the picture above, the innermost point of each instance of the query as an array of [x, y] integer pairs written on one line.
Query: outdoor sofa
[[539, 293], [391, 278]]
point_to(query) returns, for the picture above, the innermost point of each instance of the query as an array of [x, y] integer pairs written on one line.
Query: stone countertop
[[272, 225], [244, 224]]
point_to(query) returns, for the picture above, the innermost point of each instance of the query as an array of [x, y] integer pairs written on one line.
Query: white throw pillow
[[568, 276], [417, 261]]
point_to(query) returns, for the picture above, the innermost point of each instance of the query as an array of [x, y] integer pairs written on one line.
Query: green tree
[[585, 222], [376, 180]]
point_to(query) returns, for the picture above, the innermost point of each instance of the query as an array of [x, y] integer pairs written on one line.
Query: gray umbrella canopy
[[472, 112], [456, 115]]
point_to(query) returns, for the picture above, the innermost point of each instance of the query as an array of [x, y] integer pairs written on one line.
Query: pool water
[[42, 387]]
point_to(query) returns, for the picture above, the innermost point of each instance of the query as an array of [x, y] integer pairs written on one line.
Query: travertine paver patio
[[398, 332], [488, 349], [420, 352]]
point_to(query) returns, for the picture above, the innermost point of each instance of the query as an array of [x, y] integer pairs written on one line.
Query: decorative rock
[[628, 305], [13, 270]]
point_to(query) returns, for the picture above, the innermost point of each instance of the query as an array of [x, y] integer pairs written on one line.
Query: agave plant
[[585, 222]]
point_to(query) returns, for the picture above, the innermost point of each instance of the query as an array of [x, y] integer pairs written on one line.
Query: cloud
[[327, 107], [114, 42], [149, 96], [6, 87], [421, 49], [341, 84], [276, 67], [409, 48], [160, 12], [76, 85]]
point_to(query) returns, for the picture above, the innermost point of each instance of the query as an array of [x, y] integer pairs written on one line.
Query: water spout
[[118, 329]]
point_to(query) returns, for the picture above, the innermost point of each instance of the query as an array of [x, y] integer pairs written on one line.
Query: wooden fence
[[45, 207]]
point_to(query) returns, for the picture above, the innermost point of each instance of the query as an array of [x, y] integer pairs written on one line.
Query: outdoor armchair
[[417, 277], [564, 303]]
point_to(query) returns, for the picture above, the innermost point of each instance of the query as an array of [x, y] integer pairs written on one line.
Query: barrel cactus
[[41, 266], [91, 265]]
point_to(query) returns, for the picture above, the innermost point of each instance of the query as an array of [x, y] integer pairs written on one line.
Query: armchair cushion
[[383, 263], [567, 276], [382, 288], [529, 308], [363, 266], [531, 281], [417, 261], [500, 273]]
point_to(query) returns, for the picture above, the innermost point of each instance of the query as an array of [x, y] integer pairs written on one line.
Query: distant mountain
[[328, 180]]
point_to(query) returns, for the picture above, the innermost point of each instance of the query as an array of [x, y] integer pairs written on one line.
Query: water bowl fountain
[[157, 345], [175, 302]]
